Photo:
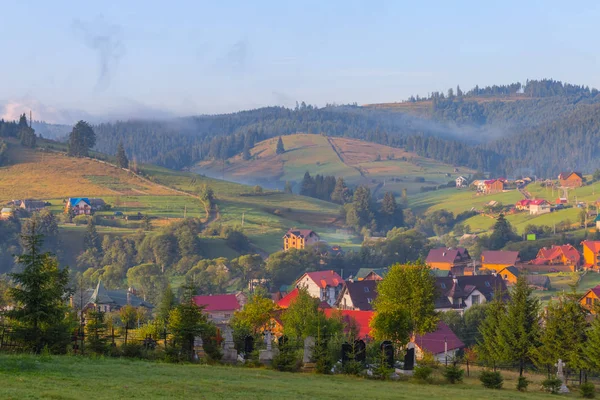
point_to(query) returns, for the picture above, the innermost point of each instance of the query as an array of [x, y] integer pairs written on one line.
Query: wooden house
[[299, 239], [591, 254], [108, 300], [570, 179], [565, 255], [523, 205], [461, 292], [498, 259], [442, 344], [591, 299], [509, 274], [494, 186], [78, 206], [32, 205], [449, 259]]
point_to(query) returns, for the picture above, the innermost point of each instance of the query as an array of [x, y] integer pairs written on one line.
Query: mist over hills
[[541, 127]]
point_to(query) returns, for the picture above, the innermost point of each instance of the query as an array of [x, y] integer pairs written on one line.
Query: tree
[[91, 240], [148, 279], [340, 194], [304, 318], [288, 187], [488, 349], [564, 333], [502, 234], [38, 296], [390, 214], [167, 303], [95, 331], [255, 315], [405, 303], [122, 160], [248, 267], [280, 149], [308, 186], [518, 331], [81, 139], [186, 322], [591, 347], [359, 213], [43, 223]]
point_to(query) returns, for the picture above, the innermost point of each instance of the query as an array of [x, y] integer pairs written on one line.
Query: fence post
[[468, 367]]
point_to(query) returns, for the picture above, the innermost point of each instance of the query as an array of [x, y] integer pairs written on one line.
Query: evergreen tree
[[340, 194], [186, 322], [390, 214], [246, 154], [95, 331], [488, 349], [39, 298], [280, 149], [167, 303], [591, 347], [26, 134], [564, 333], [122, 160], [81, 139], [308, 186], [519, 328], [502, 234], [288, 187], [360, 213], [91, 240]]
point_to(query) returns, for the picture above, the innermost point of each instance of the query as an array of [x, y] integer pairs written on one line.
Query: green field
[[459, 200], [63, 377]]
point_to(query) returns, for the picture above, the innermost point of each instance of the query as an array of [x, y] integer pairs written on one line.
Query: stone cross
[[309, 344], [268, 340], [561, 375]]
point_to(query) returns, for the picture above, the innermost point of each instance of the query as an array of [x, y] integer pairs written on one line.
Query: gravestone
[[307, 358], [229, 352], [360, 351], [266, 356], [387, 349], [560, 374], [248, 346], [346, 352], [409, 358], [198, 347], [282, 341]]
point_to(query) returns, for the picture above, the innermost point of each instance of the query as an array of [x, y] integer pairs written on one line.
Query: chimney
[[128, 297]]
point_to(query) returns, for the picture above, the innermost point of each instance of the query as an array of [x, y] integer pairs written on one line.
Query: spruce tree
[[122, 160], [39, 297], [340, 193], [280, 149], [502, 234], [81, 139], [390, 213], [307, 187], [488, 349], [591, 347], [519, 328], [288, 187], [91, 240], [167, 303]]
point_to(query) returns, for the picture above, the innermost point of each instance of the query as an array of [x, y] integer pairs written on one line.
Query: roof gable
[[435, 342], [360, 293], [323, 279]]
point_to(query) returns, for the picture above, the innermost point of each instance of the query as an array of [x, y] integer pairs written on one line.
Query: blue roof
[[76, 200]]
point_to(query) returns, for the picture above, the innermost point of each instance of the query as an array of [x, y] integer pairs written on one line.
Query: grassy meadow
[[66, 378]]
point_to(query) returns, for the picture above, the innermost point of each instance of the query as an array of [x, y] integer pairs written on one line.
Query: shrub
[[287, 360], [491, 379], [422, 373], [453, 374], [132, 350], [551, 385], [352, 367], [587, 390], [522, 384]]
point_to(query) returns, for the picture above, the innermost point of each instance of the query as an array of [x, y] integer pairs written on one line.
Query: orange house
[[509, 274], [571, 179], [591, 299], [591, 254], [448, 259], [558, 255], [498, 259], [494, 186], [299, 239]]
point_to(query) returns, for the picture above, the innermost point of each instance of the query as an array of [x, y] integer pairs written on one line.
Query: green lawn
[[27, 377], [457, 201]]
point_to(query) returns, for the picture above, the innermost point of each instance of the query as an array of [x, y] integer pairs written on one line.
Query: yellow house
[[6, 213], [591, 254], [591, 299], [299, 239], [448, 259], [509, 274], [497, 260]]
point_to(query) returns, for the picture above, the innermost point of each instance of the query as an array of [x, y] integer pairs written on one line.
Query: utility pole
[[185, 211], [243, 214]]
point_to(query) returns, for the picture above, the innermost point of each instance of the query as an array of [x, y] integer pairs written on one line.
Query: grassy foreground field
[[28, 377]]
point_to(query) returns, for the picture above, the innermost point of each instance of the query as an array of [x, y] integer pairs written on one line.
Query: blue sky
[[151, 58]]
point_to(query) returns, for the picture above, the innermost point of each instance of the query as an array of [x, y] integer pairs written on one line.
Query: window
[[369, 300], [475, 299], [443, 285], [366, 289], [487, 284], [588, 301]]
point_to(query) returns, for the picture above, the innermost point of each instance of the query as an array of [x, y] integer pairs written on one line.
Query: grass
[[62, 377], [457, 201]]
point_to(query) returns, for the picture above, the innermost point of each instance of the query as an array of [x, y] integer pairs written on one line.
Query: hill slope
[[357, 161]]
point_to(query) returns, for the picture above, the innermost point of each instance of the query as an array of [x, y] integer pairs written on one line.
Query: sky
[[155, 59]]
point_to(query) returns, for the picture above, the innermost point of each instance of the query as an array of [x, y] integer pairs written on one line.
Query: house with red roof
[[354, 320], [563, 256], [448, 259], [220, 307], [591, 254], [323, 285], [299, 239], [436, 343], [357, 295], [540, 206], [591, 299], [498, 259], [523, 205]]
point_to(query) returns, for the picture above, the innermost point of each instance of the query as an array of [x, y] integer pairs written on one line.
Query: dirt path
[[360, 171]]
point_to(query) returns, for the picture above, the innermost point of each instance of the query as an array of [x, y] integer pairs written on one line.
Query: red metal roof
[[524, 202], [538, 202], [433, 342], [593, 245], [546, 255], [323, 279], [360, 318], [218, 302], [288, 298]]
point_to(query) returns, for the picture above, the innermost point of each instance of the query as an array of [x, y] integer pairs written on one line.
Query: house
[[450, 259], [371, 274], [461, 182], [440, 344], [591, 254], [6, 213], [538, 282], [97, 204], [219, 307], [591, 299], [299, 239], [353, 320], [493, 186], [570, 179], [461, 292], [78, 206], [523, 205], [289, 298], [32, 205], [510, 274], [558, 255], [537, 207], [323, 285], [479, 185], [105, 300], [498, 259], [357, 295]]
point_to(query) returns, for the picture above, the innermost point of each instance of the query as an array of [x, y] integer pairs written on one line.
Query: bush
[[551, 385], [287, 360], [453, 374], [422, 373], [587, 390], [491, 379], [353, 367], [132, 350], [522, 384]]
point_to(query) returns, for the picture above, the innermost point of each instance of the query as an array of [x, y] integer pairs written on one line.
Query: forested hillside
[[540, 127]]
